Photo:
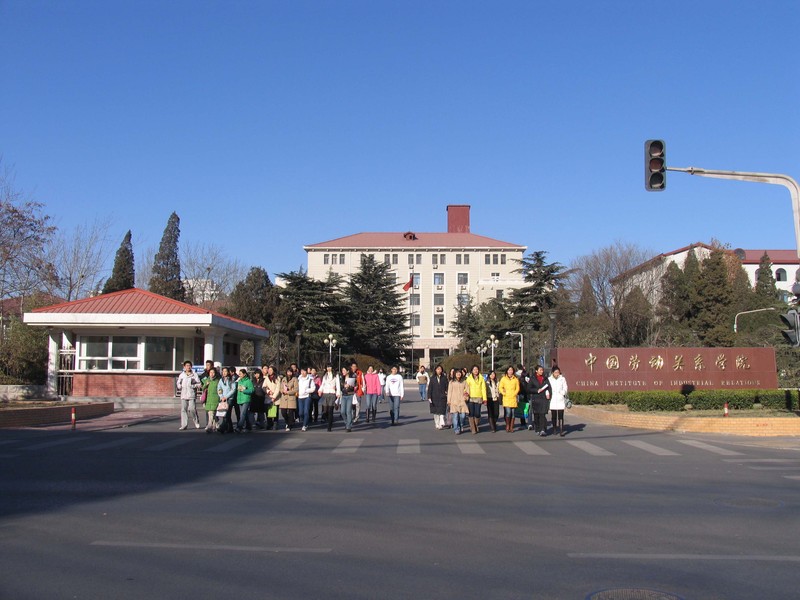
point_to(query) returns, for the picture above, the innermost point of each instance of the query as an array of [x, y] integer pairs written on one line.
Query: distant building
[[648, 274], [445, 269]]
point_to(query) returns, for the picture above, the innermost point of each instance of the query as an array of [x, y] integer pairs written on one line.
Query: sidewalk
[[116, 420]]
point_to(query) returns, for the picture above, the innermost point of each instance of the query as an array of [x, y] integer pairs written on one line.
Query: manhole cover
[[750, 502], [632, 594]]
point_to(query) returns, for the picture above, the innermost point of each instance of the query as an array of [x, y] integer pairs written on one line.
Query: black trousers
[[540, 421]]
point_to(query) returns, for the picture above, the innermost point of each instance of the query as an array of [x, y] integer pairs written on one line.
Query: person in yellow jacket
[[476, 388], [509, 388]]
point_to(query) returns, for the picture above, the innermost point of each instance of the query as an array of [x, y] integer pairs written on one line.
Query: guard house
[[133, 342]]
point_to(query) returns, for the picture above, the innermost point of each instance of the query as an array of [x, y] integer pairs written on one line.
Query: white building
[[445, 269]]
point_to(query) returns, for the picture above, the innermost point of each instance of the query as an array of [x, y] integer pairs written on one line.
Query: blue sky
[[269, 125]]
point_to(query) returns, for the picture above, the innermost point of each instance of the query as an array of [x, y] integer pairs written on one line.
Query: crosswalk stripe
[[348, 445], [7, 441], [290, 443], [227, 445], [761, 460], [590, 448], [170, 444], [470, 447], [409, 446], [58, 442], [795, 477], [112, 444], [710, 448], [531, 449], [650, 448]]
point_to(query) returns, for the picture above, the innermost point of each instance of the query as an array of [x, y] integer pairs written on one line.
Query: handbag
[[568, 403], [203, 396]]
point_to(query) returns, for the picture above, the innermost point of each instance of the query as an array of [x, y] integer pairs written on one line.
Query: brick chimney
[[458, 218]]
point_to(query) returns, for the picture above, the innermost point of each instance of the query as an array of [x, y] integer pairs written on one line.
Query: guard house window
[[109, 352], [414, 299], [438, 279], [463, 279], [326, 259], [159, 353], [780, 275], [438, 299]]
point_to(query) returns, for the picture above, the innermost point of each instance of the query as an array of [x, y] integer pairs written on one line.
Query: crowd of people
[[240, 401]]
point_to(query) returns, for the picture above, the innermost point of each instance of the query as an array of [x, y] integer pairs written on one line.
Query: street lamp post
[[331, 346], [278, 329], [481, 350], [521, 347], [492, 343], [297, 335], [552, 313]]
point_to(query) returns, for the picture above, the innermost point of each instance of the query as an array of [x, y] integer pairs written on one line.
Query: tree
[[254, 299], [376, 323], [209, 274], [635, 319], [78, 258], [123, 275], [466, 325], [24, 234], [166, 279], [714, 318], [525, 305], [587, 303], [766, 290]]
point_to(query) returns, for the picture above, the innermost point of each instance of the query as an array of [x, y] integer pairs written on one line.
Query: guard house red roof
[[133, 302], [399, 240]]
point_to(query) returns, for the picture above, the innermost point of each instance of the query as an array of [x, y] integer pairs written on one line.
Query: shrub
[[780, 399], [465, 360], [597, 397], [655, 400]]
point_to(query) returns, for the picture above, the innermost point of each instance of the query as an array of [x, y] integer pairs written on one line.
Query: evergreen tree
[[714, 320], [691, 274], [166, 279], [254, 299], [123, 276], [466, 326], [635, 319], [377, 323], [766, 290], [525, 305], [674, 303]]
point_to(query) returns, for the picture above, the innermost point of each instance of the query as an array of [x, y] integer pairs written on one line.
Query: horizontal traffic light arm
[[773, 178]]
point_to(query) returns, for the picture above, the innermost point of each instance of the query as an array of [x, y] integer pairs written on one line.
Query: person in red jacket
[[361, 387]]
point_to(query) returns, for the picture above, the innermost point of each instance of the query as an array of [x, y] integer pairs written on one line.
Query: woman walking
[[273, 385], [539, 397], [373, 384], [212, 399], [288, 401], [331, 391], [394, 393], [305, 385], [457, 400], [227, 393], [509, 388], [244, 392], [492, 400], [437, 396], [558, 400], [257, 401], [476, 389], [348, 383]]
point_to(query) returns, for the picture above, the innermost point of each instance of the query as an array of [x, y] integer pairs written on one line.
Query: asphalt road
[[395, 512]]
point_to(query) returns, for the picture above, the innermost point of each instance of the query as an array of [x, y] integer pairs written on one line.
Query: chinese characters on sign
[[668, 368]]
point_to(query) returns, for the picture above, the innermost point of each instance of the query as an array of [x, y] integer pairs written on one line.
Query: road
[[395, 512]]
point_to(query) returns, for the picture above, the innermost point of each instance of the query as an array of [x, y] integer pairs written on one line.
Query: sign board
[[680, 369]]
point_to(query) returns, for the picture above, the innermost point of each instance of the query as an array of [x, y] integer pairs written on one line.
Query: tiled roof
[[398, 240], [132, 302], [775, 256]]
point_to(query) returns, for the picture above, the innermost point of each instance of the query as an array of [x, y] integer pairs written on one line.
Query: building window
[[463, 279], [438, 279], [326, 259], [502, 259], [466, 259], [434, 259], [488, 259], [104, 352], [780, 275], [159, 353], [334, 259], [386, 259], [438, 299], [341, 259], [495, 258], [499, 294], [462, 299], [495, 276], [411, 259], [414, 299], [394, 259], [442, 259], [438, 321], [415, 320], [458, 259], [419, 259], [415, 277]]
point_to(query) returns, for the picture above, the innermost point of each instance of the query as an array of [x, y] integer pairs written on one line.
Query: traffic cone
[[725, 412]]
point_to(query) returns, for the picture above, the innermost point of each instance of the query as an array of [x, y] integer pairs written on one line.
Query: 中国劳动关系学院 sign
[[610, 369]]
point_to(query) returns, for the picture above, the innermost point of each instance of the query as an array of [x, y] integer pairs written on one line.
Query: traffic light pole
[[773, 178]]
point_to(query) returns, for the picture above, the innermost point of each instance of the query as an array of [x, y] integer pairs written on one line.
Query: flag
[[407, 286]]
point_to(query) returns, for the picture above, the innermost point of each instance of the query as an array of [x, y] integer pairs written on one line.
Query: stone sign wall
[[667, 368]]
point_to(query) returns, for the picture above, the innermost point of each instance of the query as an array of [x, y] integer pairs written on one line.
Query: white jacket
[[188, 384], [305, 385], [330, 385], [559, 397], [394, 385]]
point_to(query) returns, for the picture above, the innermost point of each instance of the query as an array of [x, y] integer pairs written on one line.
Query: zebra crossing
[[667, 448]]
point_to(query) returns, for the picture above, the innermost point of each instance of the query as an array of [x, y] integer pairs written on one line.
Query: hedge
[[656, 400], [699, 399]]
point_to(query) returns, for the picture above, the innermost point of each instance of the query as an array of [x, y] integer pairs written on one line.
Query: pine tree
[[766, 290], [166, 279], [526, 304], [123, 276], [377, 323], [466, 326], [714, 320], [635, 318], [254, 299]]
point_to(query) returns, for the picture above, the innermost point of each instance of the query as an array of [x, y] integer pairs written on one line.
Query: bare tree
[[79, 258], [209, 274], [144, 266]]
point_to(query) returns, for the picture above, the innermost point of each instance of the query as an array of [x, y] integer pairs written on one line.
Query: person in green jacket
[[210, 383], [244, 387]]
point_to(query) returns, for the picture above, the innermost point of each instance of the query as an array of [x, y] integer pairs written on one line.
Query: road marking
[[58, 442], [470, 447], [170, 444], [227, 445], [7, 441], [650, 448], [290, 443], [112, 444], [408, 446], [761, 460], [783, 468], [691, 557], [795, 477], [590, 448], [348, 446], [531, 449], [710, 448], [212, 547]]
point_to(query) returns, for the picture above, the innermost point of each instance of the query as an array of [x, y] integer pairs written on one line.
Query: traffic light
[[655, 165], [792, 334]]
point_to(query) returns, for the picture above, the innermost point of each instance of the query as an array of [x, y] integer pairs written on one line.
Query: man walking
[[188, 382]]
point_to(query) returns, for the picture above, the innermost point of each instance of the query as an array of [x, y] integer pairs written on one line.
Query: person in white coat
[[394, 394], [558, 400]]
